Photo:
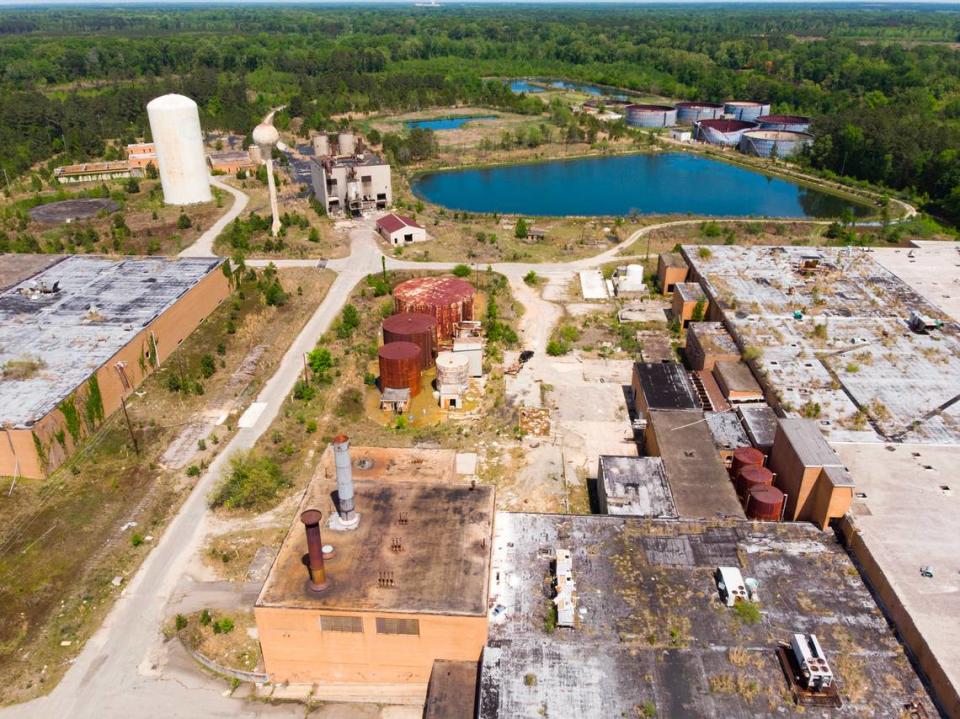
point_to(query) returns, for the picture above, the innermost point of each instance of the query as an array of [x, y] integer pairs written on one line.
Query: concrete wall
[[944, 692], [683, 310], [169, 329], [295, 649], [811, 496], [668, 276]]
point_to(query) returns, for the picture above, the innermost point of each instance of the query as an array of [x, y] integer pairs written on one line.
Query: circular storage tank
[[723, 132], [691, 112], [416, 327], [175, 126], [764, 503], [453, 368], [651, 115], [746, 457], [750, 477], [346, 143], [321, 145], [447, 299], [764, 143], [400, 366], [784, 123], [748, 111]]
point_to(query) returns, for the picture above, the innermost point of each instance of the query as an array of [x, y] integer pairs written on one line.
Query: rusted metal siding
[[746, 457], [448, 299], [400, 366], [416, 327], [764, 503], [750, 477]]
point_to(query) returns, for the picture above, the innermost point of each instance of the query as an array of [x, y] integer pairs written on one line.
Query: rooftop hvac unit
[[731, 586], [815, 673], [566, 599]]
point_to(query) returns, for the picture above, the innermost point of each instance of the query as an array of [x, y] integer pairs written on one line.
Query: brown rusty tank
[[447, 299], [416, 327], [764, 503], [400, 366], [745, 457], [752, 476]]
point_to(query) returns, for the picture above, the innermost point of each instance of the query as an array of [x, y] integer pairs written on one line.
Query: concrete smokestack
[[341, 458], [318, 575]]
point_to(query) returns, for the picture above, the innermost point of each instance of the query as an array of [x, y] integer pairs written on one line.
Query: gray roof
[[808, 443], [690, 291], [635, 486], [760, 421], [727, 431], [73, 342]]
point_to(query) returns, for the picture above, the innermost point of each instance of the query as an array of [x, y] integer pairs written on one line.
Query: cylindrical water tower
[[651, 115], [453, 370], [400, 367], [417, 327], [175, 125], [346, 144], [321, 145], [448, 299], [748, 111], [691, 112]]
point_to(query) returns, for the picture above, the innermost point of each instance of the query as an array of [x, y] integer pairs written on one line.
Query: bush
[[369, 379], [311, 426], [180, 622], [461, 271], [136, 540], [556, 348], [349, 321], [205, 617], [184, 222], [747, 612], [252, 482], [223, 626], [207, 366], [520, 231], [531, 278], [193, 471], [303, 391]]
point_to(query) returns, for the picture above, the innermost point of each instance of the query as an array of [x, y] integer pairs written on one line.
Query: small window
[[398, 626], [342, 624]]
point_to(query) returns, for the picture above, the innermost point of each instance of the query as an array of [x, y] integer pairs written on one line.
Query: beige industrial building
[[398, 581], [347, 181], [141, 154], [817, 486], [96, 172], [709, 343], [687, 297], [661, 386], [737, 382], [84, 332], [671, 270]]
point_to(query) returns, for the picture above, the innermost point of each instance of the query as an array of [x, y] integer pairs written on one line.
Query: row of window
[[385, 625]]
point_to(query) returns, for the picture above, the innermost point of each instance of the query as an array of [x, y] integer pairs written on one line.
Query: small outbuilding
[[709, 343], [737, 382], [671, 269], [399, 230]]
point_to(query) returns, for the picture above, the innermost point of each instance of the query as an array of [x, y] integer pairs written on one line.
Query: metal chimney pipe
[[318, 575], [341, 458]]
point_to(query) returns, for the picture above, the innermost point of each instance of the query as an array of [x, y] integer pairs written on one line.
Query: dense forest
[[883, 84]]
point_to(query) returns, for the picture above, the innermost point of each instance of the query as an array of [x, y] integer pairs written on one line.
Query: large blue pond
[[519, 86], [670, 183], [447, 123]]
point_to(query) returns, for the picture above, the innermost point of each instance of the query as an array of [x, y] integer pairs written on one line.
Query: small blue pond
[[669, 183], [519, 86], [448, 123]]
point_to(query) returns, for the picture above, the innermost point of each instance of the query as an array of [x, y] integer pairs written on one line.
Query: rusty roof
[[410, 323], [434, 290], [399, 350]]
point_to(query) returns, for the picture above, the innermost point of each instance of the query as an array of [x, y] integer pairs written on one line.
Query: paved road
[[203, 247]]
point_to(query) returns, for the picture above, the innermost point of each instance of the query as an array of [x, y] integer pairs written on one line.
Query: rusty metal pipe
[[318, 575]]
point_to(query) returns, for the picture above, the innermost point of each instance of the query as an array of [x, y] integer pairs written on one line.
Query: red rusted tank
[[416, 327], [764, 503], [400, 366], [447, 299], [752, 476], [745, 457]]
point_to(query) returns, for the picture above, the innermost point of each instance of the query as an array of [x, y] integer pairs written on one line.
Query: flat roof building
[[634, 486], [737, 382], [652, 636], [89, 329], [351, 184], [709, 343], [407, 586], [760, 422], [728, 433], [662, 385], [698, 479], [671, 269], [231, 161], [96, 172], [817, 485], [687, 298]]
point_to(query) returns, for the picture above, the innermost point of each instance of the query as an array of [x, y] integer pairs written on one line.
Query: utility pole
[[133, 437]]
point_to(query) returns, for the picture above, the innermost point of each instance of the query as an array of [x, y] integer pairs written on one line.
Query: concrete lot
[[907, 521], [932, 269]]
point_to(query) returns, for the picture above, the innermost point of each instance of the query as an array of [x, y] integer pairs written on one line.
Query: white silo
[[175, 125]]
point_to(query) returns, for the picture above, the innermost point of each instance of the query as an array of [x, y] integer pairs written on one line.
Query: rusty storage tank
[[784, 123], [722, 132], [750, 477], [770, 143], [416, 327], [651, 115], [748, 111], [745, 457], [447, 299], [691, 112], [453, 368], [764, 503], [400, 366]]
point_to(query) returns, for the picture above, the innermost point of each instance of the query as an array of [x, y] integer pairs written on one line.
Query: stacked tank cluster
[[427, 312], [754, 485]]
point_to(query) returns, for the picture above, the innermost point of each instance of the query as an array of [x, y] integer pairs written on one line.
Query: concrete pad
[[932, 269], [466, 463], [592, 286]]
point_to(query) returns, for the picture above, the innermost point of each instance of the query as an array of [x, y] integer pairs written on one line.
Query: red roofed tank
[[745, 457], [400, 366], [416, 327], [753, 476], [765, 503], [448, 299]]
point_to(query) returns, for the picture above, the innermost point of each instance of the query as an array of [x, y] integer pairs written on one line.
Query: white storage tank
[[453, 369], [321, 145], [175, 125], [346, 144]]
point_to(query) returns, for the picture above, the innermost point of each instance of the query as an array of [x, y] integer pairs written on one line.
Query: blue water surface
[[519, 86], [447, 123], [669, 183], [588, 89]]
